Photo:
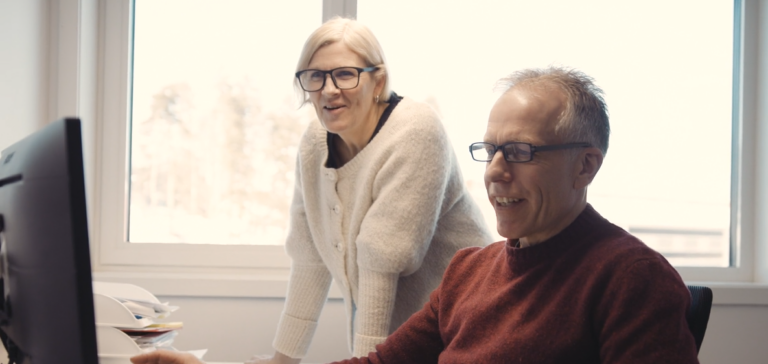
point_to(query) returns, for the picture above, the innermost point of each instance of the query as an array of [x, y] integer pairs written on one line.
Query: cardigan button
[[336, 209], [340, 246]]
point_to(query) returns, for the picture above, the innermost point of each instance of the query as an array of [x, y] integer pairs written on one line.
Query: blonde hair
[[354, 35]]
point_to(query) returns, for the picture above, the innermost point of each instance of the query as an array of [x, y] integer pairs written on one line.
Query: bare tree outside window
[[233, 167], [215, 122]]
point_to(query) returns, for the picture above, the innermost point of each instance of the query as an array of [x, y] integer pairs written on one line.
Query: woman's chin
[[334, 126]]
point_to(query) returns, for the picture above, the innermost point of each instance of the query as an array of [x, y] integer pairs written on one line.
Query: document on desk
[[158, 327], [155, 336], [147, 340], [147, 308], [197, 353]]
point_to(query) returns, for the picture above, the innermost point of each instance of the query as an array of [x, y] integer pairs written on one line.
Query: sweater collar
[[586, 225], [333, 158]]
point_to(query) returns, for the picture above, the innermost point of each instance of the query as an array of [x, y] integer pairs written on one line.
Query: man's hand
[[165, 357]]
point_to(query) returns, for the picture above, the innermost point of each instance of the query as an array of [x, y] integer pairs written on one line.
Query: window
[[214, 122], [649, 65], [666, 177], [209, 93]]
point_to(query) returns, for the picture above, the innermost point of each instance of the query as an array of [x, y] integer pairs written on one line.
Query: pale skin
[[534, 201], [350, 114], [549, 192]]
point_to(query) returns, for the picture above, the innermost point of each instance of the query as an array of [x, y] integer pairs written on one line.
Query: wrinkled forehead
[[526, 114]]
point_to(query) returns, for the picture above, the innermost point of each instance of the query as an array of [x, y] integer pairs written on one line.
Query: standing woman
[[379, 204]]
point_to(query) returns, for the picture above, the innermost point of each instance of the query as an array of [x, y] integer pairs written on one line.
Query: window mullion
[[345, 8]]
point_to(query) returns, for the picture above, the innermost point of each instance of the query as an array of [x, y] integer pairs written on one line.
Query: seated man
[[566, 286]]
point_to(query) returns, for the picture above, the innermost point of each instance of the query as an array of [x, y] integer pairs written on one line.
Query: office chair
[[698, 314]]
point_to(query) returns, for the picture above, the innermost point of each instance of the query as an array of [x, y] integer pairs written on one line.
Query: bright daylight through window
[[215, 120]]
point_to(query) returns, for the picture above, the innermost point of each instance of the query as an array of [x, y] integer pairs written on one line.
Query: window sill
[[735, 294], [207, 284], [275, 286]]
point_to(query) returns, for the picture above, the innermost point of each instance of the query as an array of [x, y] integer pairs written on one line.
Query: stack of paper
[[147, 308], [152, 335], [125, 322]]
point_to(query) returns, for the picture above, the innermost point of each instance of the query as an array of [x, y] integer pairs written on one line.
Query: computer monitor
[[46, 310]]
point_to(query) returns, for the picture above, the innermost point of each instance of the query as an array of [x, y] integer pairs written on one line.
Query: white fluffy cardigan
[[384, 227]]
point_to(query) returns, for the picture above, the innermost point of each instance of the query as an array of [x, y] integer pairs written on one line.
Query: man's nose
[[498, 169]]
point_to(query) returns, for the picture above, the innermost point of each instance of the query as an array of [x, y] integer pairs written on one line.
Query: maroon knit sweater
[[591, 294]]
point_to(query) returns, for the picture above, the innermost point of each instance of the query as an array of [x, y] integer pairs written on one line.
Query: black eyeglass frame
[[534, 149], [333, 78]]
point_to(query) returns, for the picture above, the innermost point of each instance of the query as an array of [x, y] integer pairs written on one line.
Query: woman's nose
[[329, 86]]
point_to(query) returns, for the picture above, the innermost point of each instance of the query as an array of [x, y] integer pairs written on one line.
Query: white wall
[[736, 334], [23, 68], [235, 328]]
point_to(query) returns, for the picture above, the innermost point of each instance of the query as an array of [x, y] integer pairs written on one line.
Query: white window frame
[[745, 232], [90, 46], [115, 250]]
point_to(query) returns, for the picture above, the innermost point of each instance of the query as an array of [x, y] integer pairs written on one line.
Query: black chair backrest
[[698, 314]]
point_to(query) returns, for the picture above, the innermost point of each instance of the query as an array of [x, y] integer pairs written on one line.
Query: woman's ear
[[587, 163], [380, 80]]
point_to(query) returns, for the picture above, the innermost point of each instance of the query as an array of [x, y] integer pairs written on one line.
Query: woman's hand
[[279, 358], [165, 357]]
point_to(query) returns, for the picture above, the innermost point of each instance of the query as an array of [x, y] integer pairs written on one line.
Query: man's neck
[[567, 220]]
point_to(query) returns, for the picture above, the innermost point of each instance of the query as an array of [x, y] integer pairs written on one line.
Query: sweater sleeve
[[307, 286], [641, 317], [376, 301], [408, 195], [418, 340]]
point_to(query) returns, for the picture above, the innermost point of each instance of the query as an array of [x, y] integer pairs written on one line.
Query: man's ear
[[588, 162]]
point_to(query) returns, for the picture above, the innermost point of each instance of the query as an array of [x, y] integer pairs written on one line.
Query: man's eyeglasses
[[515, 152], [344, 78]]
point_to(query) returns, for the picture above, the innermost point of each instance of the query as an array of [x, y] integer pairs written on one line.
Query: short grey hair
[[586, 116]]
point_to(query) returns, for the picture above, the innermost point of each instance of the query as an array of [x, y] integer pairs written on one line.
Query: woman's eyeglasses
[[344, 78]]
